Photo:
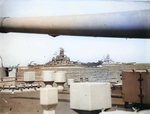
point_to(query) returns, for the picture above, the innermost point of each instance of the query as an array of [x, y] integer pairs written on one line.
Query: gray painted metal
[[131, 24]]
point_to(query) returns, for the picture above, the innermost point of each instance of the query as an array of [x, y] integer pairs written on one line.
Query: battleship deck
[[29, 102]]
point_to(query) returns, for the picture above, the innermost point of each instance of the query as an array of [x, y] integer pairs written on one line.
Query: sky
[[21, 48]]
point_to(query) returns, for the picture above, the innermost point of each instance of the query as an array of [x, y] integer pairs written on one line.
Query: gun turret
[[131, 24]]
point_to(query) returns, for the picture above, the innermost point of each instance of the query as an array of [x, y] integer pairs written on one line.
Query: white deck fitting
[[48, 111], [90, 96], [19, 91], [60, 79], [60, 76], [29, 76], [118, 112], [48, 99], [48, 75], [126, 112]]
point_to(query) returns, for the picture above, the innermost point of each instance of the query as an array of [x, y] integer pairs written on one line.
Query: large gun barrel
[[131, 24]]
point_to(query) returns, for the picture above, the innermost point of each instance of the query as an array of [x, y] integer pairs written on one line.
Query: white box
[[90, 96], [29, 76], [48, 97]]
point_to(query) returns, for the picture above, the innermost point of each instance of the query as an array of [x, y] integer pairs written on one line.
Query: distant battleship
[[60, 60]]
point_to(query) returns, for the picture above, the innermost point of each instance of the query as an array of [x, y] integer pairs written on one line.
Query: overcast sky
[[19, 48]]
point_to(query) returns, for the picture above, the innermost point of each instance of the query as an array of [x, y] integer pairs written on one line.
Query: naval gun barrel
[[131, 24]]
